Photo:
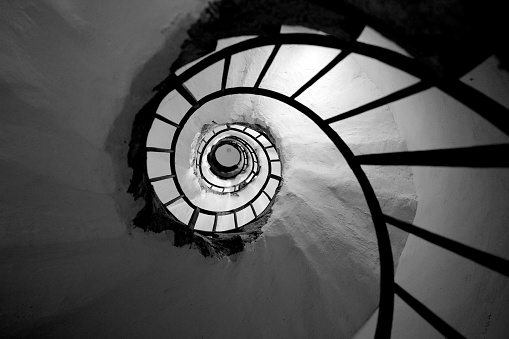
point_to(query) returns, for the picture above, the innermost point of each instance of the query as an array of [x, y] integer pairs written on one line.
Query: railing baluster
[[476, 156], [163, 177], [186, 93], [168, 121], [479, 102], [267, 195], [277, 177], [194, 217], [403, 93], [235, 219], [253, 209], [215, 223], [183, 90], [160, 150], [343, 54], [434, 320], [173, 200], [490, 261], [226, 68], [266, 66]]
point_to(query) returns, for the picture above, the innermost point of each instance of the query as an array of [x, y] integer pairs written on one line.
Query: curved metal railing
[[478, 156], [256, 143], [248, 153]]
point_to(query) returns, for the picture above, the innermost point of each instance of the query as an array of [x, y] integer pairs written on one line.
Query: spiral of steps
[[386, 216], [213, 203]]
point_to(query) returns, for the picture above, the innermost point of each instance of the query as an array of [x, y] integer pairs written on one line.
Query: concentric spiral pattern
[[206, 192], [230, 190], [249, 143]]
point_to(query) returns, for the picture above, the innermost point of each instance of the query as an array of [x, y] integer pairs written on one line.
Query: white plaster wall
[[467, 205], [66, 71]]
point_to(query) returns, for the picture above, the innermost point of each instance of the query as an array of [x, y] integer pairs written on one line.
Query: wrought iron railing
[[251, 142], [478, 156]]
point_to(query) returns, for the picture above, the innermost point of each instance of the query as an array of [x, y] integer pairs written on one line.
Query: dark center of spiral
[[227, 155], [225, 159]]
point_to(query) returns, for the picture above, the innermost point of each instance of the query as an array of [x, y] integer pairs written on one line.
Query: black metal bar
[[186, 93], [215, 223], [275, 160], [267, 147], [321, 73], [277, 177], [183, 90], [194, 217], [169, 122], [444, 328], [240, 140], [163, 177], [479, 102], [235, 219], [226, 68], [160, 150], [204, 100], [486, 107], [490, 261], [476, 156], [267, 195], [173, 200], [252, 209], [403, 93], [266, 66]]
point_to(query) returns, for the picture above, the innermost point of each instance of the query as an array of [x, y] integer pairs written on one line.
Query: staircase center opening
[[227, 155]]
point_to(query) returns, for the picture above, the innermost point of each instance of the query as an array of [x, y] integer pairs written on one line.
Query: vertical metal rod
[[226, 68], [266, 66], [235, 219], [253, 209], [267, 195], [184, 91], [194, 217], [215, 223], [321, 73]]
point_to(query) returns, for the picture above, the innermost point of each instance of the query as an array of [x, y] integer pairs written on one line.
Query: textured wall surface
[[68, 70], [74, 74]]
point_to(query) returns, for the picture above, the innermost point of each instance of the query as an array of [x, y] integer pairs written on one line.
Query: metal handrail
[[249, 178], [477, 101]]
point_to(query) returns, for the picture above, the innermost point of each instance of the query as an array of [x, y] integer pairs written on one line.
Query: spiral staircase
[[241, 209], [163, 138]]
